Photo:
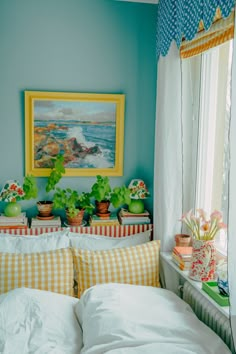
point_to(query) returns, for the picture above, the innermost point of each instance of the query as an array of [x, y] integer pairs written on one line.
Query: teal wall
[[99, 46]]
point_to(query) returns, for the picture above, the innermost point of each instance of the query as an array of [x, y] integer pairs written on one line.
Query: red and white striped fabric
[[112, 231]]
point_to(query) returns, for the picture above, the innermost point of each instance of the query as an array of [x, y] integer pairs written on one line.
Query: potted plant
[[45, 206], [104, 195], [75, 204], [13, 192]]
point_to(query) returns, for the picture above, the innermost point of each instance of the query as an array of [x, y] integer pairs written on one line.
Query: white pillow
[[98, 242], [30, 244], [37, 321]]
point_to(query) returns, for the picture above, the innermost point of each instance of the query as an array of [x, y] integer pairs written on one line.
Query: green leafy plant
[[71, 200], [120, 196], [102, 191], [57, 170], [30, 187], [56, 173]]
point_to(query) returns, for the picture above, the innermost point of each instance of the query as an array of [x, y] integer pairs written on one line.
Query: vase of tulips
[[203, 231]]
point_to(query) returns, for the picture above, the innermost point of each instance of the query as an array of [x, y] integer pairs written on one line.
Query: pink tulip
[[202, 214], [221, 225], [216, 215], [193, 218]]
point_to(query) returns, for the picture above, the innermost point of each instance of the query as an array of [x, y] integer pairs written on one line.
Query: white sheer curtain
[[232, 201], [168, 150], [168, 156], [175, 158]]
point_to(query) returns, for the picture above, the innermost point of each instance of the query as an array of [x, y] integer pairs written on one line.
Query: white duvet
[[115, 319], [129, 319]]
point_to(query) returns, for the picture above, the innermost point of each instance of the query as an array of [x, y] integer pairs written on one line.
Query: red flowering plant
[[202, 227], [13, 191]]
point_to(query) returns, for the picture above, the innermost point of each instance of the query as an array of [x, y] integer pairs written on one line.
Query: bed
[[108, 318], [117, 307]]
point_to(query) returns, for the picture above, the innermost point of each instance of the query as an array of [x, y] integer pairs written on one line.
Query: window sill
[[167, 259]]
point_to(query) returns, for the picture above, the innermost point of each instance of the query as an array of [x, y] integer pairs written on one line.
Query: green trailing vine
[[56, 174], [30, 187]]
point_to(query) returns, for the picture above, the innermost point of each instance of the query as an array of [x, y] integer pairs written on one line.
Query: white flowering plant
[[202, 227]]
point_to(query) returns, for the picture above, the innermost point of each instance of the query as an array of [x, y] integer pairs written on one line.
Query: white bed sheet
[[130, 319], [38, 322]]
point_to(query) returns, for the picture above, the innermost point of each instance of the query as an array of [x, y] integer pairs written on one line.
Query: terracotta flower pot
[[102, 207], [182, 240], [45, 208], [75, 220]]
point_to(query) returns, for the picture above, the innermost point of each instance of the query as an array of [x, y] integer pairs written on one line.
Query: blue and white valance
[[180, 18]]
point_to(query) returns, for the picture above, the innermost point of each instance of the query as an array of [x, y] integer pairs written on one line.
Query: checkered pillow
[[133, 265], [52, 271]]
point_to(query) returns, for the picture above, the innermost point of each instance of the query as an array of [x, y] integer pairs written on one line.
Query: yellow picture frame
[[87, 128]]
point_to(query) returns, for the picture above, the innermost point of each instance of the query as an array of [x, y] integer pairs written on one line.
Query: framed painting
[[87, 128]]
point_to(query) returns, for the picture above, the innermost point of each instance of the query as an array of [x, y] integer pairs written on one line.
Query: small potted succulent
[[74, 203], [45, 206], [13, 192], [104, 195]]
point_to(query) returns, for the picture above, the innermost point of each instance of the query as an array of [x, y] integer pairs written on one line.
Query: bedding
[[51, 270], [38, 322], [62, 239], [49, 241], [112, 318], [133, 319], [134, 265], [98, 242], [108, 319]]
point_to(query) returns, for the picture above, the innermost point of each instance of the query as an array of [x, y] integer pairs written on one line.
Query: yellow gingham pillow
[[52, 271], [132, 265]]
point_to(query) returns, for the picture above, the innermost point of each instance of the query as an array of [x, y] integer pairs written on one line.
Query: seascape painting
[[84, 131]]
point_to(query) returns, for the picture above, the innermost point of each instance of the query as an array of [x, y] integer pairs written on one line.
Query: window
[[212, 151]]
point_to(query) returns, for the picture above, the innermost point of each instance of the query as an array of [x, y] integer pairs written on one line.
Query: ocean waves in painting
[[83, 145]]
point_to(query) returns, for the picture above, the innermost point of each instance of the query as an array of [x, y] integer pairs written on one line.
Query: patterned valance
[[177, 19], [221, 31]]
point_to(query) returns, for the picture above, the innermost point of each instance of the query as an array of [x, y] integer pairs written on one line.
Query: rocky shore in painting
[[48, 145]]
